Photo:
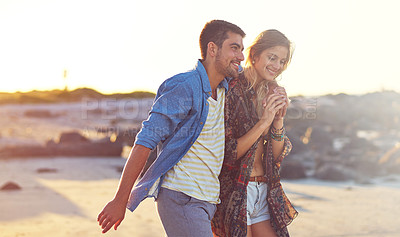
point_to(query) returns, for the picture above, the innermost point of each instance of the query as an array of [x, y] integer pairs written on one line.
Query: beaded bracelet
[[278, 138], [275, 130], [278, 134]]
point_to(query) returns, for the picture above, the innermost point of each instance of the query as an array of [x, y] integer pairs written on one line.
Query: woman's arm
[[277, 130], [277, 141], [273, 104]]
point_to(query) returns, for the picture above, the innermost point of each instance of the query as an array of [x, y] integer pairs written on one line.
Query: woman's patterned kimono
[[230, 219]]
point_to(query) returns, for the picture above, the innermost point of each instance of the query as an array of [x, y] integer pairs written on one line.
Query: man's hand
[[111, 215], [114, 212]]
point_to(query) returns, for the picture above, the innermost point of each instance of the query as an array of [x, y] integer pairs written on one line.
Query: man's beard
[[226, 71]]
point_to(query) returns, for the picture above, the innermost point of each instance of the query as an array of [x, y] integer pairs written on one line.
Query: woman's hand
[[282, 112], [272, 105]]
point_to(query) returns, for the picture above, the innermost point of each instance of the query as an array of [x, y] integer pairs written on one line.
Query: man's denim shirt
[[176, 119]]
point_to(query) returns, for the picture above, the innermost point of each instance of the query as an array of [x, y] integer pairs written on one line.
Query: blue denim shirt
[[176, 119]]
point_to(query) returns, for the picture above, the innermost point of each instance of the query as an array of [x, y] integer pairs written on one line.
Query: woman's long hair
[[266, 39]]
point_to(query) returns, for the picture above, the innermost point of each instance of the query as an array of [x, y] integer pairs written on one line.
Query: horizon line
[[153, 92]]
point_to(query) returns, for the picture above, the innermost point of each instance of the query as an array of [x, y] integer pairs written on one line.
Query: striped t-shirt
[[196, 174]]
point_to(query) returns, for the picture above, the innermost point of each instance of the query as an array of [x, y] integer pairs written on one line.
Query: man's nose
[[241, 56]]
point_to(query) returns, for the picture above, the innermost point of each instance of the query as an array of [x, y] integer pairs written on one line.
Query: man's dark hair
[[217, 31]]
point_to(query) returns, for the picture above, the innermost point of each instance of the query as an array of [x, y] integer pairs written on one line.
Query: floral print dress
[[230, 219]]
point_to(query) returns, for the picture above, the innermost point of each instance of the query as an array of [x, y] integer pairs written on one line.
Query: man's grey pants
[[184, 216]]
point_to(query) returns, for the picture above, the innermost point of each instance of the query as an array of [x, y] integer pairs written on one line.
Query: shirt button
[[201, 123], [146, 189]]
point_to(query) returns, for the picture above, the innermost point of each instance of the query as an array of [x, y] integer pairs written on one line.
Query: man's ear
[[212, 49]]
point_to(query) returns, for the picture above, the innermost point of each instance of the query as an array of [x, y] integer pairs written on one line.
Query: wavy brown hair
[[266, 39]]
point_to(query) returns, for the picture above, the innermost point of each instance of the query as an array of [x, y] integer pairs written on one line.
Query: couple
[[217, 169]]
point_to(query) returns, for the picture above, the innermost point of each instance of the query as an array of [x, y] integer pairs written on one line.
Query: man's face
[[230, 55]]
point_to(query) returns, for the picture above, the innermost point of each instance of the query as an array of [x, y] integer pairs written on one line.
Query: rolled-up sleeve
[[171, 106], [287, 147]]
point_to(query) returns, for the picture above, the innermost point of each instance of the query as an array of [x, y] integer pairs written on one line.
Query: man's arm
[[172, 104], [114, 212]]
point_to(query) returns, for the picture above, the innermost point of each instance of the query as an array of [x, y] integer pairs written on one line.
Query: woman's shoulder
[[239, 84]]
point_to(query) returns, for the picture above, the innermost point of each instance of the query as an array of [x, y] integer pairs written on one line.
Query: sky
[[120, 46]]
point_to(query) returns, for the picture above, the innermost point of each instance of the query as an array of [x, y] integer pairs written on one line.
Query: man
[[187, 120]]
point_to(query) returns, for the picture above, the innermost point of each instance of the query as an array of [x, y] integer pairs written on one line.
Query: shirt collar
[[205, 81]]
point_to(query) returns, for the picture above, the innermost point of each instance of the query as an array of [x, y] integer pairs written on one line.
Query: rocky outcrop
[[70, 144], [9, 186], [72, 137], [41, 113], [346, 137], [46, 170], [292, 169], [334, 172]]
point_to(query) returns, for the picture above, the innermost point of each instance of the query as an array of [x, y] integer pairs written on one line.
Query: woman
[[252, 199]]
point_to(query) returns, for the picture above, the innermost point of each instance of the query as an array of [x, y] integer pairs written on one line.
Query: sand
[[345, 208], [66, 202]]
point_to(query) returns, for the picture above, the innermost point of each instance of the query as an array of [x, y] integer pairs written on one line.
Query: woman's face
[[270, 62]]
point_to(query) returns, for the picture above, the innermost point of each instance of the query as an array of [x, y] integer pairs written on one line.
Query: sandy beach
[[66, 202], [344, 208]]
